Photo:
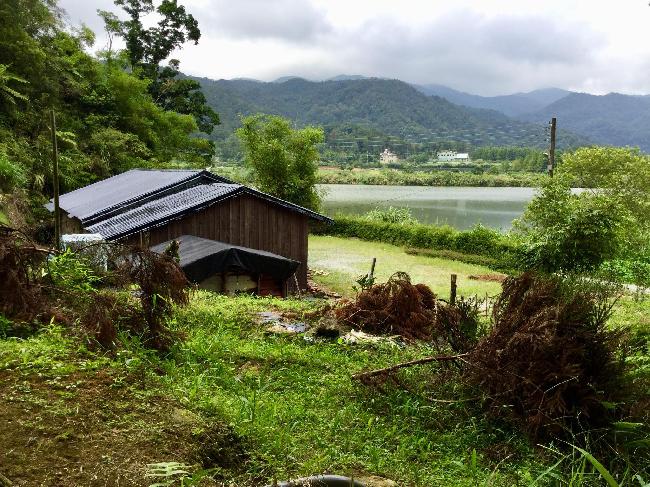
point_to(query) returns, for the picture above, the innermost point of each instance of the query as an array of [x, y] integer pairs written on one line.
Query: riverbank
[[399, 177], [429, 178]]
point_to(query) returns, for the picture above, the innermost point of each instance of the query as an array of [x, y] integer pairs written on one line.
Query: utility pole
[[55, 172], [551, 151]]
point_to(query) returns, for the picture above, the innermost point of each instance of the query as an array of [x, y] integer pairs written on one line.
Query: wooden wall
[[246, 221]]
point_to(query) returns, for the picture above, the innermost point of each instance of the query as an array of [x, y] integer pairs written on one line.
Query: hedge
[[502, 252]]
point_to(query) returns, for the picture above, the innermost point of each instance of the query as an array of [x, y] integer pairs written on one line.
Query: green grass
[[345, 259], [297, 409], [297, 404]]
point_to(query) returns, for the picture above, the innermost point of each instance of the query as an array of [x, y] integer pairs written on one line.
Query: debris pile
[[396, 307], [549, 361]]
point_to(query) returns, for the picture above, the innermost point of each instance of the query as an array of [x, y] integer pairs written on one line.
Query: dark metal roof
[[162, 210], [176, 205], [110, 195], [141, 198], [201, 258]]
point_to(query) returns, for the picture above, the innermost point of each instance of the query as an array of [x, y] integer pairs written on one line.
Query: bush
[[11, 174], [401, 216], [564, 231]]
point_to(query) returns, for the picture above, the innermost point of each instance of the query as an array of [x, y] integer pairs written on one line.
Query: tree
[[107, 119], [621, 173], [147, 48], [609, 219], [284, 160], [565, 231]]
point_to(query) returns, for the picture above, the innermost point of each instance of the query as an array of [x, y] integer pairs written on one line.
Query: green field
[[338, 262]]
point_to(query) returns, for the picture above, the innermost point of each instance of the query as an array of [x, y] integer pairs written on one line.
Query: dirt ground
[[96, 428]]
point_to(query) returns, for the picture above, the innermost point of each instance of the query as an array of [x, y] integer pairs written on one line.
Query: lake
[[458, 207]]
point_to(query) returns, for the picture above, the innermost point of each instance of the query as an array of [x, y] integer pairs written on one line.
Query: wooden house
[[149, 207]]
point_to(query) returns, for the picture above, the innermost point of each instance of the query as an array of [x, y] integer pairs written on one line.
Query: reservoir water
[[459, 207]]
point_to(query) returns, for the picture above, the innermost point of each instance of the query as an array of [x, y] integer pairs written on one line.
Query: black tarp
[[202, 258]]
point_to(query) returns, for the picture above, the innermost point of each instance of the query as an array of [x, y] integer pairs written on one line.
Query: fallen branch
[[392, 368]]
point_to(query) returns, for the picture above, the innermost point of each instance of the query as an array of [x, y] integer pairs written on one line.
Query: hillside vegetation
[[612, 119], [389, 106]]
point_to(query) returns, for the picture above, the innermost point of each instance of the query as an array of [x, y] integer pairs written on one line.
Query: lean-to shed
[[228, 268], [153, 206]]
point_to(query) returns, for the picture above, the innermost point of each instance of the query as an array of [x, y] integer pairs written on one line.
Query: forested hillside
[[613, 119], [511, 105], [391, 107], [107, 118]]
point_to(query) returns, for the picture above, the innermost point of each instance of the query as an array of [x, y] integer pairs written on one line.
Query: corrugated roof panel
[[160, 210], [85, 202]]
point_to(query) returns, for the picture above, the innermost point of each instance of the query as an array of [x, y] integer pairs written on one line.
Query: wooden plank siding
[[246, 221]]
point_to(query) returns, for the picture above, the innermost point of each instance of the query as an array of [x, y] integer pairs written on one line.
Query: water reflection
[[459, 207]]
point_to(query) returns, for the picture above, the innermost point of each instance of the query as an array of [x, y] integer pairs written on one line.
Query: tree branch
[[392, 368]]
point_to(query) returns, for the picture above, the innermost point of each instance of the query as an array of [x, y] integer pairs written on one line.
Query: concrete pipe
[[320, 481]]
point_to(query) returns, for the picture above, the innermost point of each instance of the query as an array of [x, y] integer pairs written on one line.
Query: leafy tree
[[284, 160], [567, 231], [107, 119], [147, 48], [623, 174]]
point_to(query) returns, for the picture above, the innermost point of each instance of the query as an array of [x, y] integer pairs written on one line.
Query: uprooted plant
[[398, 307], [549, 361]]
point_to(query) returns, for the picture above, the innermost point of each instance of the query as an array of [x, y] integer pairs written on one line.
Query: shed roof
[[176, 205], [201, 258], [162, 210], [109, 194]]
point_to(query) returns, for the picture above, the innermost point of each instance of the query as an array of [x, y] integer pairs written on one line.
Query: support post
[[371, 274], [452, 292], [551, 151], [55, 184]]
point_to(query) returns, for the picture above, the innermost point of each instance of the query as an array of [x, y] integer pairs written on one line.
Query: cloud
[[288, 20], [495, 47]]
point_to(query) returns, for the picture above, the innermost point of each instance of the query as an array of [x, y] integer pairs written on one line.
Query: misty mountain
[[612, 119], [392, 107], [512, 105]]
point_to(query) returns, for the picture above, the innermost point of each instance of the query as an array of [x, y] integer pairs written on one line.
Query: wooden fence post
[[452, 293]]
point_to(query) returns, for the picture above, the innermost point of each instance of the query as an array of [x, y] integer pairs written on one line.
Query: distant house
[[150, 207], [387, 157], [453, 156]]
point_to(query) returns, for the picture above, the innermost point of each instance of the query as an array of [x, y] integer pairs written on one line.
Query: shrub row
[[421, 178], [501, 252]]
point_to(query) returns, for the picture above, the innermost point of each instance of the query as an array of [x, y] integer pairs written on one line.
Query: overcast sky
[[486, 47]]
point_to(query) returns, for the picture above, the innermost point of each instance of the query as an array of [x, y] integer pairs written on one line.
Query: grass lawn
[[343, 260]]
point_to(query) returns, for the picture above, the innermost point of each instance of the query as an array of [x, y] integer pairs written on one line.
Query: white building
[[453, 156], [387, 157]]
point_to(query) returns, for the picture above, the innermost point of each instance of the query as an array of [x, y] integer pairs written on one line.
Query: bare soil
[[97, 428]]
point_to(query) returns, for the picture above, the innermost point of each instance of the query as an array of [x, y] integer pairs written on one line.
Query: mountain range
[[387, 106], [612, 119], [429, 112]]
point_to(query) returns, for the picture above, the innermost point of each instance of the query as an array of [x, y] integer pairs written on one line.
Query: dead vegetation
[[136, 294], [412, 311], [21, 292], [548, 362]]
